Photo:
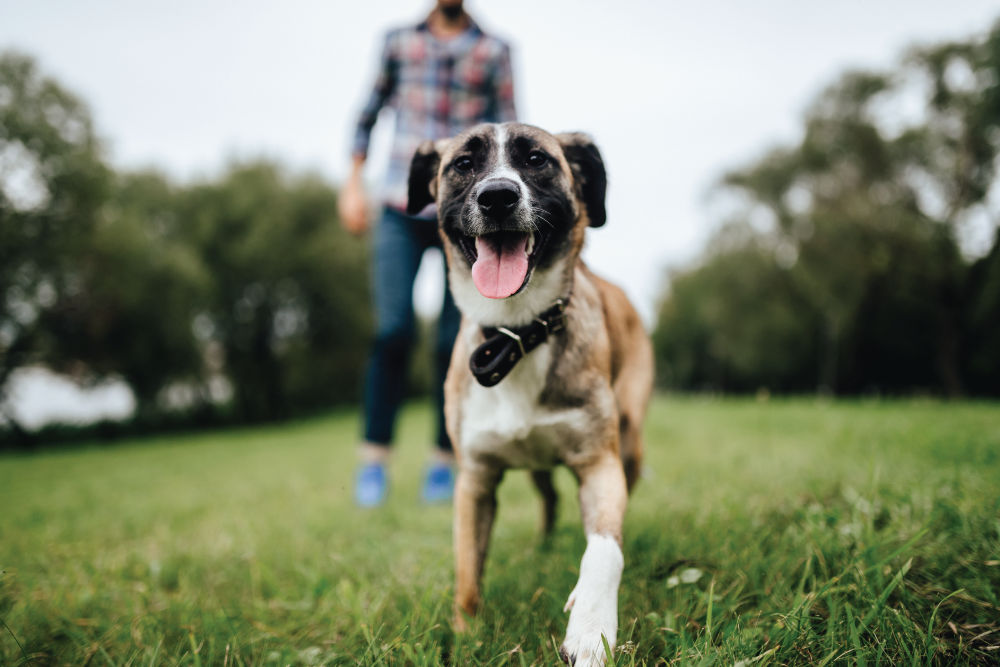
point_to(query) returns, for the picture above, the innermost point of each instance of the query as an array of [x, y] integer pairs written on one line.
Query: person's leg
[[446, 331], [397, 251], [440, 480]]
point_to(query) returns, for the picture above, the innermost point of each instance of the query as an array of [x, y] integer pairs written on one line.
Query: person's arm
[[353, 201]]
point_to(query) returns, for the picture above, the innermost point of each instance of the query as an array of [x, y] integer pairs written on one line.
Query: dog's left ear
[[422, 185], [588, 171]]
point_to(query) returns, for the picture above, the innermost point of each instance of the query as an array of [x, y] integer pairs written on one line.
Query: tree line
[[841, 268], [237, 298]]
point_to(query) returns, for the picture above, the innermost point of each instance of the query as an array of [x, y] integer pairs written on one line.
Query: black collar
[[494, 359]]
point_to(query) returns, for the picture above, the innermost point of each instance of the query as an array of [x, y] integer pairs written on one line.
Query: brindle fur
[[601, 363]]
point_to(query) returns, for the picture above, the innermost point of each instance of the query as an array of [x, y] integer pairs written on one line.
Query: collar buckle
[[510, 334]]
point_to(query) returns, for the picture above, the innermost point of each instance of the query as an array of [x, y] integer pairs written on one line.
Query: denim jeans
[[400, 242]]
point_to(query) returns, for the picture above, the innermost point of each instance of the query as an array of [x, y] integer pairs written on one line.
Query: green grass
[[785, 532]]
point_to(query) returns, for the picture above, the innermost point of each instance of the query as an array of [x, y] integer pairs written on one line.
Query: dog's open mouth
[[501, 261]]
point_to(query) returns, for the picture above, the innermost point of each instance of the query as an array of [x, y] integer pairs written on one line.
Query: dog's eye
[[537, 159], [462, 165]]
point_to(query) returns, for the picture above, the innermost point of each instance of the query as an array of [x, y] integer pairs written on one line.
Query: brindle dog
[[552, 364]]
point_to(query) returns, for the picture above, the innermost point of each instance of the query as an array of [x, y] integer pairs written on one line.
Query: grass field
[[784, 532]]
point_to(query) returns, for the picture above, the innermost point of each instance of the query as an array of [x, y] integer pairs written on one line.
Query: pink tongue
[[501, 265]]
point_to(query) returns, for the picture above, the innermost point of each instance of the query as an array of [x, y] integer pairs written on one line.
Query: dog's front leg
[[475, 507], [594, 600]]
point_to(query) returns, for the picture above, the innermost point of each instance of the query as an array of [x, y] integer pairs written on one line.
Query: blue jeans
[[400, 242]]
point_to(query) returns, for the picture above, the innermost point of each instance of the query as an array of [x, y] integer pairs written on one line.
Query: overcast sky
[[674, 93]]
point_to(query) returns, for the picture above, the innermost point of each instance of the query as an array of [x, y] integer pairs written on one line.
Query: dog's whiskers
[[540, 213]]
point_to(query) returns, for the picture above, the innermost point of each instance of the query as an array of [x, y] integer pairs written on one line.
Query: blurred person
[[441, 76]]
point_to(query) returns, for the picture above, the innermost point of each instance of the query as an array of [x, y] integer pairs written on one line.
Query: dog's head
[[513, 201]]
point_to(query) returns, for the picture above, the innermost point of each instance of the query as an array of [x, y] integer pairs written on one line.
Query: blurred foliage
[[141, 286], [842, 271], [239, 297], [289, 304], [53, 184]]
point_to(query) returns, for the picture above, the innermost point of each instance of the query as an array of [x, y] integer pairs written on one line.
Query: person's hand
[[353, 205]]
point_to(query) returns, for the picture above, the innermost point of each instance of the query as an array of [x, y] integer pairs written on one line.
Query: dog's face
[[513, 201]]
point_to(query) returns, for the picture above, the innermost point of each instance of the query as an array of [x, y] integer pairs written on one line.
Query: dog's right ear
[[422, 186], [588, 171]]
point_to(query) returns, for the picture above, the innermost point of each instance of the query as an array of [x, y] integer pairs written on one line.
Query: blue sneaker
[[371, 485], [439, 485]]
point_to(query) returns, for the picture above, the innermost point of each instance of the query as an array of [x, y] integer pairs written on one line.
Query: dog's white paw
[[584, 646], [594, 604]]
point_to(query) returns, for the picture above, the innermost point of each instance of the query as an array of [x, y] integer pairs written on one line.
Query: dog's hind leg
[[633, 387], [475, 507], [550, 499], [631, 448]]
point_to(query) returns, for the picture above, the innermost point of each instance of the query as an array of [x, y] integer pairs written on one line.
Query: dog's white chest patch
[[506, 421]]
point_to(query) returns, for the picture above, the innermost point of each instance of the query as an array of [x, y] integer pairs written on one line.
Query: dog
[[551, 365]]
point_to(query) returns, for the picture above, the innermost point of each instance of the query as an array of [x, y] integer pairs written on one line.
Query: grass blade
[[874, 611], [929, 638]]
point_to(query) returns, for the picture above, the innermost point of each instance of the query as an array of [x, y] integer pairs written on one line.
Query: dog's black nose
[[498, 198]]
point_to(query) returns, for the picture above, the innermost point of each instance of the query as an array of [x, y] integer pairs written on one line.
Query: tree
[[289, 304], [53, 182], [141, 287], [982, 323], [863, 216], [245, 283], [736, 322]]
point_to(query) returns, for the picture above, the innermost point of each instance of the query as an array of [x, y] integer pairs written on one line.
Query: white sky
[[674, 93]]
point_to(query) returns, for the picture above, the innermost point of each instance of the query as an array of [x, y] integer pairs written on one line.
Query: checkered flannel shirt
[[437, 88]]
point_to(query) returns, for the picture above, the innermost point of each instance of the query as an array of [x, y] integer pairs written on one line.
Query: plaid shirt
[[438, 88]]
